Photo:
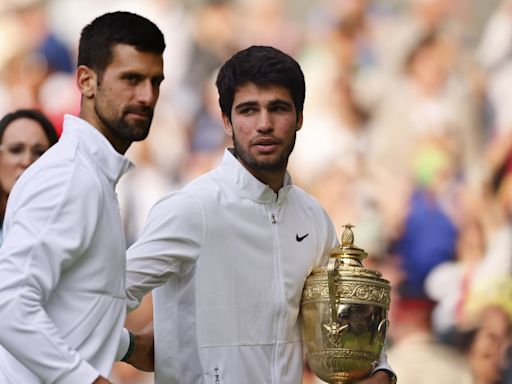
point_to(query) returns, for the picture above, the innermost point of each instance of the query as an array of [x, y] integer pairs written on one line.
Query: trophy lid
[[347, 249]]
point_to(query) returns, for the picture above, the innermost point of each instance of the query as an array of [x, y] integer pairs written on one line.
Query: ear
[[86, 80], [228, 127], [299, 121]]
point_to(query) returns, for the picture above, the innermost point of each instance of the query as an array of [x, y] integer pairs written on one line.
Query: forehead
[[126, 58], [23, 130], [250, 92]]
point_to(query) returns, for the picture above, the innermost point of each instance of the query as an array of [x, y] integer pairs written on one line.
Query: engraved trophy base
[[340, 366]]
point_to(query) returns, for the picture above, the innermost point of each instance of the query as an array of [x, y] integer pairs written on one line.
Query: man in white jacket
[[228, 255], [62, 263]]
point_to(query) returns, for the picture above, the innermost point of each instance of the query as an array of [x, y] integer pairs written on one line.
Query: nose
[[147, 93], [265, 123], [27, 158]]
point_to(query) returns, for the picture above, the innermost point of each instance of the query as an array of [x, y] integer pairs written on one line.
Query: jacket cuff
[[382, 364]]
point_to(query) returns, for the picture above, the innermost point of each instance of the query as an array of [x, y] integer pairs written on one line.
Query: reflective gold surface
[[344, 315]]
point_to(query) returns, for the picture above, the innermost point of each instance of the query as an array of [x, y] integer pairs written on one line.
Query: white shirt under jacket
[[231, 272], [62, 263]]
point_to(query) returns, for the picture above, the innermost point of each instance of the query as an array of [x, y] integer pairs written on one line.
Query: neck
[[273, 178], [120, 146]]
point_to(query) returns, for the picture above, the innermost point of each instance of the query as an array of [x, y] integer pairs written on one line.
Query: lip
[[139, 115], [266, 148], [266, 144], [265, 141]]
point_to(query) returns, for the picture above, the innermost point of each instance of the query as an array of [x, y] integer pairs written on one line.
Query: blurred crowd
[[407, 135]]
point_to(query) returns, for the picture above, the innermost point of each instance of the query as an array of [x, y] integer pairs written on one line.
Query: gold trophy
[[344, 315]]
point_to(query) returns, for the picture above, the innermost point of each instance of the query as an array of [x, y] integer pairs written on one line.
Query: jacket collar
[[103, 154], [249, 185]]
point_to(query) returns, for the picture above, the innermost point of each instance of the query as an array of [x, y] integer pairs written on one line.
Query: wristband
[[131, 347], [391, 375]]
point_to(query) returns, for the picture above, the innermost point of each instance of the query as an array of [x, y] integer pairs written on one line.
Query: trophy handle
[[383, 323], [334, 330]]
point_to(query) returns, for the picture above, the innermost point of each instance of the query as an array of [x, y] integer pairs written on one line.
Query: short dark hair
[[263, 66], [33, 114], [97, 40]]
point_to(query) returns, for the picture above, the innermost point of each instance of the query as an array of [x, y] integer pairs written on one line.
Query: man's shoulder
[[302, 197], [197, 194], [205, 185], [60, 171], [55, 163]]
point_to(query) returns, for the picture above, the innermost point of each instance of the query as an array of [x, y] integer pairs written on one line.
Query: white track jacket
[[230, 258], [62, 264]]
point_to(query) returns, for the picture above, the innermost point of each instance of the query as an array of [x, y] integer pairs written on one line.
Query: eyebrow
[[245, 105], [12, 143], [280, 102], [140, 74], [272, 103]]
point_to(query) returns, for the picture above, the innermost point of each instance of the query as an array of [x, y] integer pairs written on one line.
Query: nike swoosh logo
[[300, 238]]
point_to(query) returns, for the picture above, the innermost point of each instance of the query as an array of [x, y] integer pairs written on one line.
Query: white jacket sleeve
[[49, 223], [170, 244]]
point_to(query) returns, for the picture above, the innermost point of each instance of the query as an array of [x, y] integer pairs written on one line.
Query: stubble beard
[[123, 129], [271, 165]]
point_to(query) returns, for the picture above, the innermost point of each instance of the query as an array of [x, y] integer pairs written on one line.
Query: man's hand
[[143, 355], [379, 377], [101, 380]]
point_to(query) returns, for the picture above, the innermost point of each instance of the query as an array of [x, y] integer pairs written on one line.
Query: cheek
[[108, 101], [8, 174], [242, 130]]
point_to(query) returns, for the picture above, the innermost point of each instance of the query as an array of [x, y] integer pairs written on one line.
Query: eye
[[247, 110], [132, 78], [157, 81], [38, 151], [280, 107], [16, 149]]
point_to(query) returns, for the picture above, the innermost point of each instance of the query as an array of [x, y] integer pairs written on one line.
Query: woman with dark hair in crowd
[[25, 135]]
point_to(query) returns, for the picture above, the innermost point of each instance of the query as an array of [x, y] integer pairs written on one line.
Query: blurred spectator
[[207, 132], [489, 347], [492, 277], [428, 238], [494, 55], [448, 283], [417, 357], [269, 22], [212, 40], [25, 135], [427, 114], [333, 134], [40, 54]]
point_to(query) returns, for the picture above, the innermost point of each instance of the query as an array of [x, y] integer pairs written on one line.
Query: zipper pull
[[273, 219]]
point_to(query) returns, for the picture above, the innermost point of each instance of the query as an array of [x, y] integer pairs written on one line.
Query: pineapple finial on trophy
[[347, 237]]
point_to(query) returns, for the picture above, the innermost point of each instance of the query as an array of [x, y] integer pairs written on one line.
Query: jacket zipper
[[279, 306]]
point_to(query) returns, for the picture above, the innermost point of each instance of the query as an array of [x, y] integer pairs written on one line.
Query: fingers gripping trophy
[[344, 315]]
